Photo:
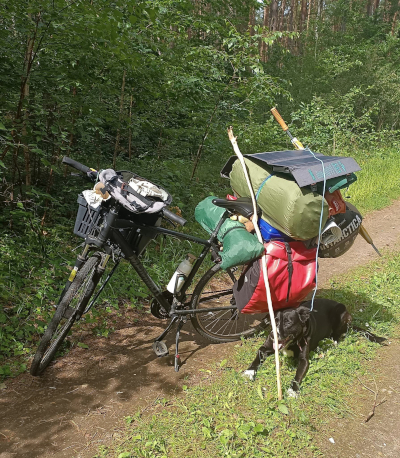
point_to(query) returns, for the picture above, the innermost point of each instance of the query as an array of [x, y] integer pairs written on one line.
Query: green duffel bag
[[292, 210], [239, 246]]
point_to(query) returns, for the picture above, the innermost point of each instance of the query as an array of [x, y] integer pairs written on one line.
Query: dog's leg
[[302, 369], [263, 352], [345, 320]]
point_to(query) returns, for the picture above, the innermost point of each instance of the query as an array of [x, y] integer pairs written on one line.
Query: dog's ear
[[304, 313]]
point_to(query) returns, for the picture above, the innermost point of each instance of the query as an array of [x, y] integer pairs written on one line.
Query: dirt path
[[379, 437], [80, 401]]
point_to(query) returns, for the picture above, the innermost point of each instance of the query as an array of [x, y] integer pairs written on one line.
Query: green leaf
[[283, 409], [2, 165], [223, 363], [20, 205], [82, 345], [2, 126], [45, 162], [259, 392], [124, 455]]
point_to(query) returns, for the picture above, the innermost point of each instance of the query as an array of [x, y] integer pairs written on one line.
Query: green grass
[[227, 416], [378, 182]]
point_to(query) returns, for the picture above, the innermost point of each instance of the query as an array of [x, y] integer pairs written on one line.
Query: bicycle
[[117, 234]]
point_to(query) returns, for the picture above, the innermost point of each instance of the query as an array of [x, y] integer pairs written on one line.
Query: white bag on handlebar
[[133, 199]]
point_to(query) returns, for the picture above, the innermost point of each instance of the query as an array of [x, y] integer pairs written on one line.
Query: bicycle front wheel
[[215, 290], [72, 305]]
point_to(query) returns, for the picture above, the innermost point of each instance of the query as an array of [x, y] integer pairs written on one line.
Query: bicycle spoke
[[225, 324], [217, 320]]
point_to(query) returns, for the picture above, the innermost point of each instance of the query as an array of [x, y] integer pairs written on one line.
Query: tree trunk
[[309, 14], [121, 108], [273, 15], [395, 19], [207, 130], [24, 94], [296, 22], [130, 130], [264, 46], [282, 16], [71, 134], [303, 14], [46, 204], [369, 7], [252, 20]]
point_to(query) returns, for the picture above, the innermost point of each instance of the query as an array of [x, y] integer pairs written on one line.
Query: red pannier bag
[[291, 274]]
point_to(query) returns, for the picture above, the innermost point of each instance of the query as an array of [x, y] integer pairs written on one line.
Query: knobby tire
[[59, 327]]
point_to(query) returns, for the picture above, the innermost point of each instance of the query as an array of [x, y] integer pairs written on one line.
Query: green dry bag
[[239, 246]]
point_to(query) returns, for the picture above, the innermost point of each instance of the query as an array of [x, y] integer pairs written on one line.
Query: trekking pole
[[236, 149], [298, 145], [364, 234]]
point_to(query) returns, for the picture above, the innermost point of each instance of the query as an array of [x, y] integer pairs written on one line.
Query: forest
[[151, 86]]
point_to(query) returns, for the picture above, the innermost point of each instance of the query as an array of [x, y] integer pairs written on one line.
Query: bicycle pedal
[[160, 348]]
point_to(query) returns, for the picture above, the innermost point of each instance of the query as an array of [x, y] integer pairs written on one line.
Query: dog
[[300, 330]]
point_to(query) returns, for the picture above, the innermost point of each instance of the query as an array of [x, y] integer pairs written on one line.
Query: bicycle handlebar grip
[[278, 117], [76, 165], [173, 217]]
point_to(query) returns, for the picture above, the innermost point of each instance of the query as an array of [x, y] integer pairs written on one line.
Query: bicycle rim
[[215, 290]]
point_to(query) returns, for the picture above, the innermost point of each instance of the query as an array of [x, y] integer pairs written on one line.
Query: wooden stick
[[238, 153], [372, 413]]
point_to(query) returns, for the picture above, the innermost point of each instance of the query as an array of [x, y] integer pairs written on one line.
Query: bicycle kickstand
[[181, 322]]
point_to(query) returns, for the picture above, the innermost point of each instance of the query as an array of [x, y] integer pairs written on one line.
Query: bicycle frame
[[110, 230]]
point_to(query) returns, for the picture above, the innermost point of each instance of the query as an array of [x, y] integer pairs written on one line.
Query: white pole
[[236, 149]]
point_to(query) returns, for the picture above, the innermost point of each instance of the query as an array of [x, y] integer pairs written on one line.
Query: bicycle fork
[[80, 260]]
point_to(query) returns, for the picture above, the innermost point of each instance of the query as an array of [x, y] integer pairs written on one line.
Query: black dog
[[300, 330]]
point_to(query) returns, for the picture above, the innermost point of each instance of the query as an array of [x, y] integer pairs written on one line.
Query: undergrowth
[[35, 261], [226, 415]]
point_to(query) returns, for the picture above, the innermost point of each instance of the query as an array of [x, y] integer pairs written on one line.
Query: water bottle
[[181, 273]]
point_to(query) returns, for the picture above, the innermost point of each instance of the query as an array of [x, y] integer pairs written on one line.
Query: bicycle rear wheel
[[215, 290], [72, 305]]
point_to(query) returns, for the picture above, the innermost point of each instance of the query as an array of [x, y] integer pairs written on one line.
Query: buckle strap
[[289, 267], [262, 185]]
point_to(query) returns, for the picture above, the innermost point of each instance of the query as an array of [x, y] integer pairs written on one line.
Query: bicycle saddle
[[242, 205]]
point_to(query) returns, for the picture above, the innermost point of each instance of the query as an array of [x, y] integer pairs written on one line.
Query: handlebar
[[173, 217], [76, 165], [88, 171]]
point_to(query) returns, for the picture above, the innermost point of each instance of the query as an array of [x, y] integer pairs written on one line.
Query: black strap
[[232, 229], [125, 189], [290, 268]]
